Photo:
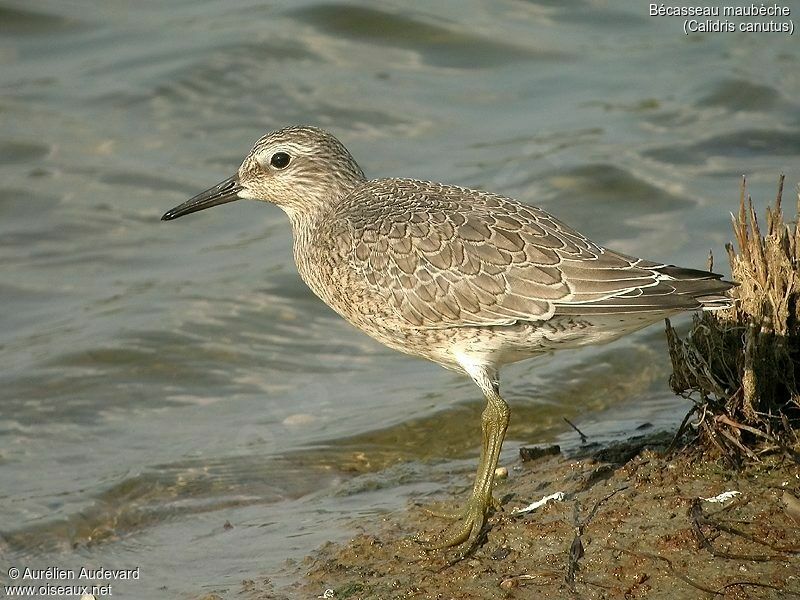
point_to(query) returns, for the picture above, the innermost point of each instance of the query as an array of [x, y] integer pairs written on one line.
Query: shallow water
[[163, 379]]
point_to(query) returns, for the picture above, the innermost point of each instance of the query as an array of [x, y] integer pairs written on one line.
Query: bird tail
[[707, 288]]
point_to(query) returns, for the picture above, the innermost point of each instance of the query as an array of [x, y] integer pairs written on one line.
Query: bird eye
[[280, 160]]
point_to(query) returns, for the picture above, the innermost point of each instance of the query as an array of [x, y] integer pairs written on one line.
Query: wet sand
[[633, 524]]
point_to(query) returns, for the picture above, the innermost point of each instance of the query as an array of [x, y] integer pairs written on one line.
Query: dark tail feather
[[704, 286], [677, 290]]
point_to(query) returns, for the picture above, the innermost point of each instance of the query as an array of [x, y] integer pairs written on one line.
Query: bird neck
[[308, 256], [304, 224]]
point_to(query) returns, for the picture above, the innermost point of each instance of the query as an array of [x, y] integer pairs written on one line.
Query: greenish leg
[[494, 422]]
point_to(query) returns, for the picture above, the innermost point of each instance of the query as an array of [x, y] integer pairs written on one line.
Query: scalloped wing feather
[[444, 256]]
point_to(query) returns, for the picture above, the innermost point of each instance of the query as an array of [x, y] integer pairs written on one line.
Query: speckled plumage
[[416, 256], [466, 278]]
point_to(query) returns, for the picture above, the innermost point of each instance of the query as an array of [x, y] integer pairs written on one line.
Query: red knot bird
[[465, 278]]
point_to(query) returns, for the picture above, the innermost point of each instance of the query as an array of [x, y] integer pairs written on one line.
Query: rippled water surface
[[172, 397]]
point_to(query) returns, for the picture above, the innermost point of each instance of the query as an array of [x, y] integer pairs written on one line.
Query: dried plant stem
[[739, 364]]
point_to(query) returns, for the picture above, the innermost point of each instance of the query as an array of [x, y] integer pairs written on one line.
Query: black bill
[[226, 191]]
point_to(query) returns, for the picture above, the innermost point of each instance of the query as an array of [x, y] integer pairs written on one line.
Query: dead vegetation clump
[[740, 365]]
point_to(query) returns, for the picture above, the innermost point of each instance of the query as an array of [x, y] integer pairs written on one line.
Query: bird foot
[[459, 514], [466, 532], [449, 515]]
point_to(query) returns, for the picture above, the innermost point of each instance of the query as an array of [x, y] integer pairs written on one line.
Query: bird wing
[[443, 256]]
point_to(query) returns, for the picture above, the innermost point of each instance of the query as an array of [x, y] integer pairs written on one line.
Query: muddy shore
[[634, 523]]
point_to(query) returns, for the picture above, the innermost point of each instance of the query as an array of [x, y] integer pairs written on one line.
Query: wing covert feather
[[443, 256]]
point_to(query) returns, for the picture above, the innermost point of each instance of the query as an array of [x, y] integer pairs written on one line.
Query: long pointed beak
[[226, 191]]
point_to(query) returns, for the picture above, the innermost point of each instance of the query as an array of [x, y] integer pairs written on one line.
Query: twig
[[575, 554], [753, 584], [672, 569], [728, 421], [699, 519], [599, 503], [576, 547], [584, 439], [679, 433], [732, 439], [710, 435]]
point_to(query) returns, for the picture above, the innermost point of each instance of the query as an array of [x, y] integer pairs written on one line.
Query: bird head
[[300, 169]]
